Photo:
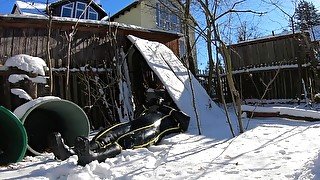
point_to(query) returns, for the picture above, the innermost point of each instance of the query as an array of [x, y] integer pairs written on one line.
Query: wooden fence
[[269, 83], [288, 61], [285, 49], [94, 45]]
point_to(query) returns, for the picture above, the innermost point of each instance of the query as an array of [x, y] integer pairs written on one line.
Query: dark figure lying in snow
[[148, 129]]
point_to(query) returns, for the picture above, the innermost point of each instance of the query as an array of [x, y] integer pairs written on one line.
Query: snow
[[81, 69], [270, 148], [88, 22], [27, 63], [14, 78], [21, 93], [31, 8], [175, 78], [266, 68], [292, 111]]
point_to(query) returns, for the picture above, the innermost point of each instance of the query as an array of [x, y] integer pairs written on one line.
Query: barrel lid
[[10, 123]]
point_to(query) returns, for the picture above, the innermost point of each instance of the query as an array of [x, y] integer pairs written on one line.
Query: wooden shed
[[92, 46]]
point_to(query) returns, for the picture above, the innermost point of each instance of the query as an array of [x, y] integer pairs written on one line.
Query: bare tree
[[69, 37], [213, 13], [247, 31], [49, 62]]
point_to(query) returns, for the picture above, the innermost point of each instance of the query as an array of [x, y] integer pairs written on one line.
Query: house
[[29, 8], [62, 8], [157, 14]]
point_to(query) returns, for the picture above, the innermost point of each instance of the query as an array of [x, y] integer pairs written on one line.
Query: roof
[[268, 38], [127, 8], [60, 2], [85, 22], [30, 8]]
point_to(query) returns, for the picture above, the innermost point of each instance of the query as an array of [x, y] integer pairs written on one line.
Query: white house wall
[[132, 17]]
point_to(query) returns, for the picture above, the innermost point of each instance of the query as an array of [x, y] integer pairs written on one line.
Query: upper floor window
[[182, 48], [92, 14], [80, 10], [67, 10], [166, 18]]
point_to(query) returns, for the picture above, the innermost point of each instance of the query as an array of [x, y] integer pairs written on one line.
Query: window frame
[[83, 10], [92, 11], [164, 19], [66, 7]]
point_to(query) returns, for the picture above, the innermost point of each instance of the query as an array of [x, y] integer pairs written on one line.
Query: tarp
[[174, 76]]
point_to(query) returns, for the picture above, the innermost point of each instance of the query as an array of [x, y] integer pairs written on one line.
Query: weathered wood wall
[[253, 83], [92, 45], [91, 42], [255, 63], [285, 49]]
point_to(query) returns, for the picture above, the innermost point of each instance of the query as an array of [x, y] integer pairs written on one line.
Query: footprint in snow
[[283, 152]]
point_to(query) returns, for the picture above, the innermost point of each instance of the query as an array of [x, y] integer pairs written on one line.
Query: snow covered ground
[[269, 149]]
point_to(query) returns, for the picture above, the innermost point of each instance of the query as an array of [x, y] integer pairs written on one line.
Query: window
[[182, 48], [67, 10], [80, 10], [166, 19], [92, 14]]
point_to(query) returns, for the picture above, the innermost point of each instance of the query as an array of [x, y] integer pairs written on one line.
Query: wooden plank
[[8, 43], [284, 80], [270, 51], [7, 92], [74, 88], [290, 94], [2, 44], [250, 55], [262, 53], [255, 55], [39, 44], [61, 86], [269, 92], [16, 42]]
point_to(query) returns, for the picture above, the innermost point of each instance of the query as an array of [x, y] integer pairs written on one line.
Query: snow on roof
[[314, 35], [27, 63], [31, 8], [89, 21], [94, 3]]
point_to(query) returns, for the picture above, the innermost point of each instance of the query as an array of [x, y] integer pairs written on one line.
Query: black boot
[[59, 149], [85, 156]]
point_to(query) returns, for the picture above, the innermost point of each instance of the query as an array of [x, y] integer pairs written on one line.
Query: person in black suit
[[149, 128]]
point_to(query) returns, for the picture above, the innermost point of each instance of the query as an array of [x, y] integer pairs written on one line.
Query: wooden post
[[32, 88]]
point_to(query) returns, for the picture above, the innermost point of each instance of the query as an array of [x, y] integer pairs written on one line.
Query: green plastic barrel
[[13, 138], [54, 115]]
